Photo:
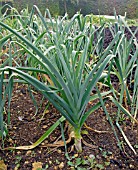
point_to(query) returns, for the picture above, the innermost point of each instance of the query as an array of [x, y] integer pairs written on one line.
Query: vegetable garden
[[68, 92]]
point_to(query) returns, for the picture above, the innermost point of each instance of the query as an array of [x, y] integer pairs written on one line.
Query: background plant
[[124, 66], [59, 7]]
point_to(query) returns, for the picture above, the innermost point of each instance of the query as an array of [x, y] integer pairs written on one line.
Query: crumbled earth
[[25, 129], [108, 35]]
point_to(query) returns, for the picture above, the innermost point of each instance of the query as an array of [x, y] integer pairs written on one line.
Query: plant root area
[[26, 128]]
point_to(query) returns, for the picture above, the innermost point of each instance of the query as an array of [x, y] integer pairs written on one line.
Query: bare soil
[[25, 130]]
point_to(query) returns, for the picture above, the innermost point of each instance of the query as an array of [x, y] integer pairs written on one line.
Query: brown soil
[[24, 130]]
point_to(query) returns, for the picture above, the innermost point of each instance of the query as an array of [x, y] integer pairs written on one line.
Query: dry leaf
[[2, 165], [37, 165], [61, 165], [28, 152]]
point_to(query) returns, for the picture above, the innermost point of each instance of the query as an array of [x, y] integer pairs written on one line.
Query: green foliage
[[71, 63], [56, 50], [87, 163]]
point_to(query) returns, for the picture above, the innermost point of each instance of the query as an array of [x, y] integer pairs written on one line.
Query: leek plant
[[125, 64], [125, 67], [69, 81]]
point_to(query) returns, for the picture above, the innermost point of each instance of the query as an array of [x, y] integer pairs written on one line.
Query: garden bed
[[25, 129]]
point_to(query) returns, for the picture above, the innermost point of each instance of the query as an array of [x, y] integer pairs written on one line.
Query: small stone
[[28, 152], [55, 168], [59, 151], [76, 155], [131, 166], [46, 141], [50, 162], [10, 140], [26, 162], [123, 165], [30, 110], [44, 127], [91, 156], [40, 152], [61, 165]]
